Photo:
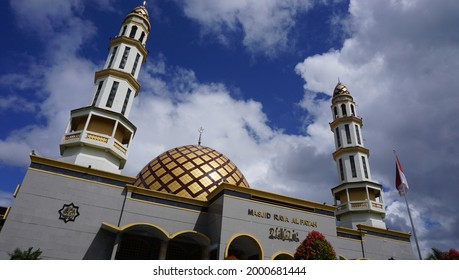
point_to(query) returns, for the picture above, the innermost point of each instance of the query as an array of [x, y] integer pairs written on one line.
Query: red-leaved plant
[[315, 247]]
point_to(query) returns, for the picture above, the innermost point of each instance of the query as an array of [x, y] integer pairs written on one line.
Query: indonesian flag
[[400, 180]]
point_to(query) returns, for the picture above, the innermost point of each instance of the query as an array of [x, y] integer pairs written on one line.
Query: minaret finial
[[339, 82], [144, 3], [200, 130]]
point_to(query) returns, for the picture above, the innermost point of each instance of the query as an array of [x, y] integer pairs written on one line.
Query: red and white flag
[[400, 180]]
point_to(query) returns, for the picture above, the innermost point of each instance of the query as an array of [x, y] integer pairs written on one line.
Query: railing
[[73, 136], [360, 205], [376, 205], [97, 137], [119, 147]]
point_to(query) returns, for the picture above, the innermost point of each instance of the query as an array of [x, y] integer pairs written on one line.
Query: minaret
[[357, 197], [99, 135]]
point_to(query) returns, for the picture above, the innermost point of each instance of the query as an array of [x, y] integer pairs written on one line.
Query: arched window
[[341, 169], [358, 134], [352, 110], [124, 30], [133, 31], [335, 110], [338, 138], [141, 37], [343, 109], [348, 134]]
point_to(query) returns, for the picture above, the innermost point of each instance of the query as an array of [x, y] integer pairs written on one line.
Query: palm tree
[[435, 255], [28, 254]]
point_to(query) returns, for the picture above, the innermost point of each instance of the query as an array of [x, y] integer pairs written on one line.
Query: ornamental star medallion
[[69, 212]]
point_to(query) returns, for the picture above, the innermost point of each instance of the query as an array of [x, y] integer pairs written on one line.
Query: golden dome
[[191, 171], [141, 10], [340, 89]]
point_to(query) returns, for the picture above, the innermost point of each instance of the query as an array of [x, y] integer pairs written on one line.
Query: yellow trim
[[140, 16], [4, 216], [248, 235], [166, 196], [76, 178], [347, 119], [348, 231], [165, 205], [81, 169], [130, 41], [385, 231], [189, 231], [114, 228], [226, 186], [355, 149], [16, 191], [281, 253], [341, 257], [271, 196], [118, 74]]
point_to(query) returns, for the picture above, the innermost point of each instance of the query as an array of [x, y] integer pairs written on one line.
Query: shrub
[[315, 247]]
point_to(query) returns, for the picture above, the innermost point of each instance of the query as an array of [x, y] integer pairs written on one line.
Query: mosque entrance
[[141, 242], [245, 247], [147, 242]]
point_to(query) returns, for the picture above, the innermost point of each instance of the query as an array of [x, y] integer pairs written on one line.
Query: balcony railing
[[359, 205], [94, 138]]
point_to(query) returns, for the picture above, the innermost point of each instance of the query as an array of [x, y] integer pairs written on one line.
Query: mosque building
[[190, 202]]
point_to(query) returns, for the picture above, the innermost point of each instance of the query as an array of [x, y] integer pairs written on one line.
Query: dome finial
[[200, 130], [144, 3]]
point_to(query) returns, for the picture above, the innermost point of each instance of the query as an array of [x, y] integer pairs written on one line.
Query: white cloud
[[400, 63], [266, 25]]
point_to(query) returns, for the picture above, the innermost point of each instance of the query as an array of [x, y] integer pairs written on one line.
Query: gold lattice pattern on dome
[[190, 171], [340, 89]]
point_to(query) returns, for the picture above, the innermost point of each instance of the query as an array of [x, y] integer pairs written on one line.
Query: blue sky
[[257, 75]]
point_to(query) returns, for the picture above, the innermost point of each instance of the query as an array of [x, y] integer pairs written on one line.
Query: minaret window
[[125, 57], [353, 170], [126, 101], [348, 134], [124, 30], [335, 110], [99, 87], [111, 97], [343, 109], [141, 37], [352, 110], [135, 64], [112, 56], [341, 169], [358, 134], [338, 138], [364, 163], [133, 31]]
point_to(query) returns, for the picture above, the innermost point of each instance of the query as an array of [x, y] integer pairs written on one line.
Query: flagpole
[[403, 192], [412, 226]]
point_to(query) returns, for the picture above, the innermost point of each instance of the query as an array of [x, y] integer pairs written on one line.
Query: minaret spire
[[358, 197], [200, 130], [100, 134]]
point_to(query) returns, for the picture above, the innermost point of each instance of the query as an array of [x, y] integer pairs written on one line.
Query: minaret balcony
[[95, 139], [360, 205], [345, 120]]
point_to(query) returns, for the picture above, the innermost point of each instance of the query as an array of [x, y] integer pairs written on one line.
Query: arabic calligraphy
[[283, 234]]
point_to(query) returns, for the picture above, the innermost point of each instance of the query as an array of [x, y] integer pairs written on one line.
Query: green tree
[[28, 254], [315, 247]]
